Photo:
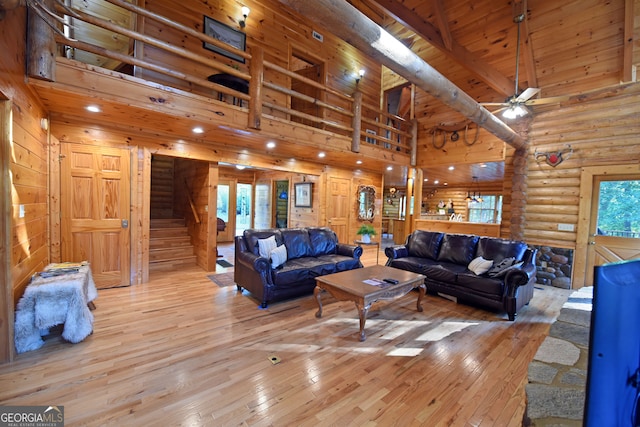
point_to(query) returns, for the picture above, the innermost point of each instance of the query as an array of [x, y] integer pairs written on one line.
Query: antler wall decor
[[553, 158]]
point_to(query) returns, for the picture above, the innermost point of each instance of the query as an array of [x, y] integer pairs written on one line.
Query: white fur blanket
[[52, 301]]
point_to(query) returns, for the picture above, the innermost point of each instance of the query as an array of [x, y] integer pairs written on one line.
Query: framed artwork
[[226, 34], [303, 194]]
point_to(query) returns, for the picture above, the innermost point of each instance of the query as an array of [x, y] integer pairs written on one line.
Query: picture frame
[[303, 191], [226, 34]]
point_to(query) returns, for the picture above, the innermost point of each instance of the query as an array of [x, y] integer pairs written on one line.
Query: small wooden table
[[350, 286], [370, 243]]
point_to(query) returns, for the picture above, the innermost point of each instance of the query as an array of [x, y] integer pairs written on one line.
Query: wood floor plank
[[181, 350]]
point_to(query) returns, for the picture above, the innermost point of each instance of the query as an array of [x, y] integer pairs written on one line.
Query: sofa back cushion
[[251, 237], [323, 241], [498, 249], [458, 248], [424, 244], [297, 242]]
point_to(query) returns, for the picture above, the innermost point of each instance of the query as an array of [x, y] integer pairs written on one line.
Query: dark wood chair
[[221, 227]]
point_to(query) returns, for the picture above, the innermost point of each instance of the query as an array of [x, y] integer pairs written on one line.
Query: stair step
[[169, 242], [172, 264], [170, 253], [168, 232], [166, 222]]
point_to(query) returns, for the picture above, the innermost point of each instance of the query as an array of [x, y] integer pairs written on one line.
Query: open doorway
[[311, 69]]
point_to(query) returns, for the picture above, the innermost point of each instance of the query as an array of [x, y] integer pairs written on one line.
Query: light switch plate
[[565, 227]]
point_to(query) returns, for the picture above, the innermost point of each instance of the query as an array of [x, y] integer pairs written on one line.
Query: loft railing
[[263, 94]]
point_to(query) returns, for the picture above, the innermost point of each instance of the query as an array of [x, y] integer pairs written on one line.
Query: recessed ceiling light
[[321, 154], [271, 144], [426, 179], [197, 130], [389, 168], [451, 168], [436, 182], [358, 162], [240, 167], [93, 108], [446, 183], [484, 165]]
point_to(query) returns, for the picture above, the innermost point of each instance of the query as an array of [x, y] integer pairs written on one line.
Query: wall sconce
[[245, 13], [359, 76]]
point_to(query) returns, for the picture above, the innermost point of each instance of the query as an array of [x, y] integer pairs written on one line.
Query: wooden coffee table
[[350, 286]]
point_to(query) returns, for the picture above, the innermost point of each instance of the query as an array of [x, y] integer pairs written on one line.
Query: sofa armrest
[[352, 251], [395, 252], [255, 262], [519, 277]]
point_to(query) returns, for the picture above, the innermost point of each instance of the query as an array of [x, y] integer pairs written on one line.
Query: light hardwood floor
[[180, 350]]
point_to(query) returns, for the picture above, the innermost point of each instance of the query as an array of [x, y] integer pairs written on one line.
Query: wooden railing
[[333, 111]]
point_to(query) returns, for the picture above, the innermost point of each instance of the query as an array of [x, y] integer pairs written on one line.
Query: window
[[619, 209], [487, 211]]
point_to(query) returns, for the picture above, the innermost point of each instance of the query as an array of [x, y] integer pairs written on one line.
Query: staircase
[[169, 245]]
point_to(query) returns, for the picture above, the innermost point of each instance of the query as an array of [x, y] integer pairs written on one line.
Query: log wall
[[25, 153], [602, 130]]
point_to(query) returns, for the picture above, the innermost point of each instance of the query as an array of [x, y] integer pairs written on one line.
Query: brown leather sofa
[[311, 252], [444, 259]]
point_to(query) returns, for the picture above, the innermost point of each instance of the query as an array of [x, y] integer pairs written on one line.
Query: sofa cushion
[[265, 246], [499, 249], [458, 248], [297, 242], [323, 241], [481, 284], [341, 262], [252, 236], [480, 265], [424, 244], [278, 256], [291, 274]]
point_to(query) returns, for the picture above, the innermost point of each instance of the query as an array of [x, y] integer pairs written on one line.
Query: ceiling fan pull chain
[[433, 138], [475, 138]]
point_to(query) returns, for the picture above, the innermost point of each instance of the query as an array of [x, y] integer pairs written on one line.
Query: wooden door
[[614, 230], [338, 204], [95, 204]]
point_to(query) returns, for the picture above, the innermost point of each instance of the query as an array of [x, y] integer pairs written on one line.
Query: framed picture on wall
[[303, 194], [226, 34]]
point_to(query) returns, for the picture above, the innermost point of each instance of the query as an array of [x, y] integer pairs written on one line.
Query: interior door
[[614, 231], [338, 207], [95, 204], [225, 201]]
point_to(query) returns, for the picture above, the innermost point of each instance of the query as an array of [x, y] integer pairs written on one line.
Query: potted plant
[[366, 231]]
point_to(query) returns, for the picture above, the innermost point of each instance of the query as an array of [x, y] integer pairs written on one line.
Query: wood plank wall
[[192, 177], [271, 27], [603, 131], [162, 185], [28, 163]]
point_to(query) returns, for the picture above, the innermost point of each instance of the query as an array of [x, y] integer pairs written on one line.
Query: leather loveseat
[[445, 259], [310, 252]]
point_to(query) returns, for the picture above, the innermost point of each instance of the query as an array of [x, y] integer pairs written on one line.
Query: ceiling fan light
[[520, 111], [509, 113]]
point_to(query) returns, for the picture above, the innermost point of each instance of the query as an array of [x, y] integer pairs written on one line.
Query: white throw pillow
[[265, 246], [278, 256], [480, 265]]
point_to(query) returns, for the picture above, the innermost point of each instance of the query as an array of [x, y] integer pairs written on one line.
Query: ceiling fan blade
[[549, 100], [494, 104], [528, 93], [499, 109]]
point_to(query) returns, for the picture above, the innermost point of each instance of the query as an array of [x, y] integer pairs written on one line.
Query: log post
[[256, 70], [41, 57], [356, 123], [518, 194], [414, 142]]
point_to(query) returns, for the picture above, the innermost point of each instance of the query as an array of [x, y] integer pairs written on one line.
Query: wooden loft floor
[[180, 350]]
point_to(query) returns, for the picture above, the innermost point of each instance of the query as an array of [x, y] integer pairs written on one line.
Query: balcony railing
[[261, 88]]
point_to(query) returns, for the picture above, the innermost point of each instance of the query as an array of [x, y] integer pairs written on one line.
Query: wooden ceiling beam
[[348, 23], [500, 83]]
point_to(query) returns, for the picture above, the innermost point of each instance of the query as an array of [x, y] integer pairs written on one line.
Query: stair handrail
[[196, 217]]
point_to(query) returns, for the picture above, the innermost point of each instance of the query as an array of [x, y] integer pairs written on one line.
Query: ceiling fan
[[515, 106]]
